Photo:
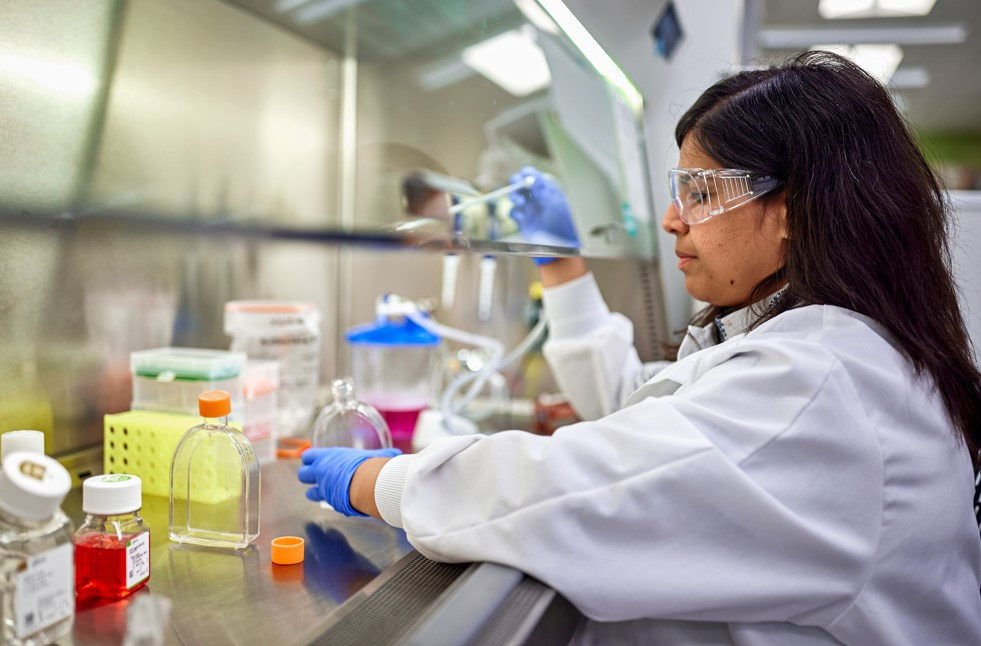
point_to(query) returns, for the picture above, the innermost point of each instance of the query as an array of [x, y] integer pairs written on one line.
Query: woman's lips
[[683, 259]]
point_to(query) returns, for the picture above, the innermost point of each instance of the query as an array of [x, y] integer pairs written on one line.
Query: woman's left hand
[[344, 477]]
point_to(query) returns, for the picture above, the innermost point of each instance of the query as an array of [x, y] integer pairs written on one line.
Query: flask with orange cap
[[214, 481]]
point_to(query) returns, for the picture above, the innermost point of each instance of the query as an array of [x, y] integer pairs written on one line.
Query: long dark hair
[[867, 219]]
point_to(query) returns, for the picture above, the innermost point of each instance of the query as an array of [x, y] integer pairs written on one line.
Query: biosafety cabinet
[[163, 157]]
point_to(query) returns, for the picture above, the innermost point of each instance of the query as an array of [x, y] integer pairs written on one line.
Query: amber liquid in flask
[[214, 481]]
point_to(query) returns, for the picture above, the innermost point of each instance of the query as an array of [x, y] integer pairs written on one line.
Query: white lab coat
[[796, 484]]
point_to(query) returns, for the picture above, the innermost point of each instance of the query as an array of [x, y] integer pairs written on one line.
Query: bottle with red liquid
[[112, 547]]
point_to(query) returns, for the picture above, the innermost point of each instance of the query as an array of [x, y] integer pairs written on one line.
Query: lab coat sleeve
[[590, 349], [753, 494]]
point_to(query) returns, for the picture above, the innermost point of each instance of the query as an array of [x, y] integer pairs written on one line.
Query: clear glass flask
[[37, 580], [112, 547], [214, 481], [348, 422]]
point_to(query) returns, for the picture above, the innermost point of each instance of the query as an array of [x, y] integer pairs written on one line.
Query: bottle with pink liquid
[[395, 365]]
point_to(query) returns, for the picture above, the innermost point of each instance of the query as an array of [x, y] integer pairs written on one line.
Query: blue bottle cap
[[385, 331]]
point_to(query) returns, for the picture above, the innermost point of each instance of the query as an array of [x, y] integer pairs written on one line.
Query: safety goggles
[[702, 194]]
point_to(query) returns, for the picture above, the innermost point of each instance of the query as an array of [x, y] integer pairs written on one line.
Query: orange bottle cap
[[292, 447], [287, 550], [214, 403]]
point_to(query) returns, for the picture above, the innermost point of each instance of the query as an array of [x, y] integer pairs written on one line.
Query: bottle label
[[137, 560], [45, 590], [118, 477]]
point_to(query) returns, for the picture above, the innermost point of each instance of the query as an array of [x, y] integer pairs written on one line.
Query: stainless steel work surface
[[240, 597]]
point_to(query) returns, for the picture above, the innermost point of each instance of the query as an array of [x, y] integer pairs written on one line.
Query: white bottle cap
[[112, 494], [32, 486], [31, 441]]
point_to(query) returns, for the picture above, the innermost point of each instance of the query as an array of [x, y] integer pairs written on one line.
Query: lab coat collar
[[728, 326], [738, 322], [697, 339]]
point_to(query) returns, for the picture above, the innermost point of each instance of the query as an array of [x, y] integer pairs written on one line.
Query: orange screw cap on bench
[[287, 550], [214, 403], [292, 447]]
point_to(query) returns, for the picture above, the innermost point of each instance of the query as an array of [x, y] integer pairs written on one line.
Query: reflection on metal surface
[[98, 623], [426, 193], [215, 114], [241, 597], [336, 570], [52, 56]]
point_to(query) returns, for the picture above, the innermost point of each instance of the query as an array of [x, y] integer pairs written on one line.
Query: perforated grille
[[384, 616], [651, 300], [506, 625]]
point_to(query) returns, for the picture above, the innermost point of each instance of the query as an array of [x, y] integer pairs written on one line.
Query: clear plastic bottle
[[287, 332], [37, 600], [214, 481], [348, 422], [112, 547]]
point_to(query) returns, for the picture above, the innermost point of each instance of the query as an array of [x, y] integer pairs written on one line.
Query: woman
[[804, 472]]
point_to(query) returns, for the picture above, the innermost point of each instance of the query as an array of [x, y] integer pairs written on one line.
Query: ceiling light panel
[[834, 9], [512, 60], [878, 60]]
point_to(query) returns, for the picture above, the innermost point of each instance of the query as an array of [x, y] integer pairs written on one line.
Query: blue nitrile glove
[[330, 472], [542, 212]]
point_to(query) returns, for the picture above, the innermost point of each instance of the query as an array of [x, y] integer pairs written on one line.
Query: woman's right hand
[[541, 211]]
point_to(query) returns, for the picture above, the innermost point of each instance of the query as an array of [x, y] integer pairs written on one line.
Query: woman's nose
[[672, 222]]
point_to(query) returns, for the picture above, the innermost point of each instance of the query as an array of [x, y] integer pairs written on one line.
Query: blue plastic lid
[[385, 331]]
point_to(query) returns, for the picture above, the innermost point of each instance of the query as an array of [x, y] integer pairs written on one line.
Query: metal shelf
[[385, 237]]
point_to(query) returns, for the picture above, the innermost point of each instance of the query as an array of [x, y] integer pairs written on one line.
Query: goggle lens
[[688, 195]]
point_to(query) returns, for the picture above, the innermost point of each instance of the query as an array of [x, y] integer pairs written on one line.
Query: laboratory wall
[[966, 206]]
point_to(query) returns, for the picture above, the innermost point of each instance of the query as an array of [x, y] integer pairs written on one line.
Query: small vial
[[214, 481], [37, 604], [112, 547]]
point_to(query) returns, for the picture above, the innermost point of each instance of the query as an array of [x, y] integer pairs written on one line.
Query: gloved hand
[[542, 212], [330, 472]]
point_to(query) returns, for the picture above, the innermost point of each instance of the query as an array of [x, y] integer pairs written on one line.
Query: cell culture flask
[[214, 481], [348, 422]]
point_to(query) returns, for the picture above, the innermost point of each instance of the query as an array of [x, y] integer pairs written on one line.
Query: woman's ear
[[780, 213]]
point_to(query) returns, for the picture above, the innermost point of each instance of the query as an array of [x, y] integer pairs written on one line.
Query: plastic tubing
[[519, 351], [477, 380], [495, 347]]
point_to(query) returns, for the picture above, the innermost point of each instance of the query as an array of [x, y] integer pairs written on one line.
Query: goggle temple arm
[[764, 183]]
